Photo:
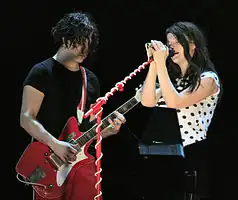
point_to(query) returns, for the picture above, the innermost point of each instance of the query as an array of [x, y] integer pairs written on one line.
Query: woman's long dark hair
[[76, 28], [200, 62]]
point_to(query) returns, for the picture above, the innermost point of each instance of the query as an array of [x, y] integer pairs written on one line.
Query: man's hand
[[116, 123], [65, 151]]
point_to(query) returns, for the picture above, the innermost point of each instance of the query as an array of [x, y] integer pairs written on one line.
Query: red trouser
[[82, 187]]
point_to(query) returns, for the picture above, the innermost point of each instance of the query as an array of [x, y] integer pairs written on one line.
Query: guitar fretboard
[[91, 133]]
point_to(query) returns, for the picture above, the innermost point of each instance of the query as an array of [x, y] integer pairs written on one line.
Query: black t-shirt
[[62, 90]]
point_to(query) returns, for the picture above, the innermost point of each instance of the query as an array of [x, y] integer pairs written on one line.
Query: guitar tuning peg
[[140, 85], [136, 89]]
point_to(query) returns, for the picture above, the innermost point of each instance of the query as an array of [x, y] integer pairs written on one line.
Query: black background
[[124, 28]]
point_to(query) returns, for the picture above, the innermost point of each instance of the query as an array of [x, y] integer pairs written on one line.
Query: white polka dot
[[195, 120]]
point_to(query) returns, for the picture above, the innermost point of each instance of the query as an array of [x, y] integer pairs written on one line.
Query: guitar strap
[[82, 103]]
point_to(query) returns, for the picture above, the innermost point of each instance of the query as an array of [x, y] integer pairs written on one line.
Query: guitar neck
[[91, 133]]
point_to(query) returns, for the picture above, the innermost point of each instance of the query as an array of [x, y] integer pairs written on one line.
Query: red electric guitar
[[46, 172]]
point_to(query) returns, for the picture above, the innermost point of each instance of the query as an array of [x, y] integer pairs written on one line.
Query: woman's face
[[178, 57], [178, 49]]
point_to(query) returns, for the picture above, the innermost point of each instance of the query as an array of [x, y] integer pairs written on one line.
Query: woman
[[188, 82]]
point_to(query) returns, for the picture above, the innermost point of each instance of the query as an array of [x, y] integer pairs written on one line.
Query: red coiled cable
[[97, 109]]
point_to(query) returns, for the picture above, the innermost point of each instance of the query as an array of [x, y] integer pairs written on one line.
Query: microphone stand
[[96, 109]]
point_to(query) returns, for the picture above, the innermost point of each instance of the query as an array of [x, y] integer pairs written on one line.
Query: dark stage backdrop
[[124, 27]]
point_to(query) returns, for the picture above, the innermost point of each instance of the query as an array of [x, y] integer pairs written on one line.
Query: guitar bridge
[[36, 175]]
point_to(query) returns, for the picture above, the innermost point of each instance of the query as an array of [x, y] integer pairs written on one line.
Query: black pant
[[196, 164], [158, 177]]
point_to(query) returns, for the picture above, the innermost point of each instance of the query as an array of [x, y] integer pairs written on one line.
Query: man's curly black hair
[[76, 28]]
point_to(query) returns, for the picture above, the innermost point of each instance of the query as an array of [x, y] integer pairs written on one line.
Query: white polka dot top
[[194, 120]]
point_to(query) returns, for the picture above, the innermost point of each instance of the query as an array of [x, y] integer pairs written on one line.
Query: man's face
[[77, 52]]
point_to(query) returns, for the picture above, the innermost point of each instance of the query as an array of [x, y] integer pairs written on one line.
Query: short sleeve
[[37, 78], [212, 75]]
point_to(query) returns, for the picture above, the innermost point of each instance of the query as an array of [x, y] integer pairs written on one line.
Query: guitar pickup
[[55, 161], [37, 175]]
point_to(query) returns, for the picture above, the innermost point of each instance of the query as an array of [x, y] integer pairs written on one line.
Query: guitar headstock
[[138, 93]]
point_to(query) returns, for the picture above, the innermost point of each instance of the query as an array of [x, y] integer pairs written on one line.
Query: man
[[56, 90]]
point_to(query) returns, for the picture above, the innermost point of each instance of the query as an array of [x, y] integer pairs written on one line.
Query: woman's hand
[[148, 48], [159, 51]]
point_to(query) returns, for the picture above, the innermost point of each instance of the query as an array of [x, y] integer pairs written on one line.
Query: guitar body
[[43, 169], [48, 175]]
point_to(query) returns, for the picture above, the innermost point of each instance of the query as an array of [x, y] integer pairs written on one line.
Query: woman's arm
[[174, 99], [150, 95]]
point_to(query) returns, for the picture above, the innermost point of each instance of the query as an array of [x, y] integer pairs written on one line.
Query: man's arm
[[31, 103]]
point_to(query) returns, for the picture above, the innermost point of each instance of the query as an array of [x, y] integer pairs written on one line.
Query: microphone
[[171, 50]]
